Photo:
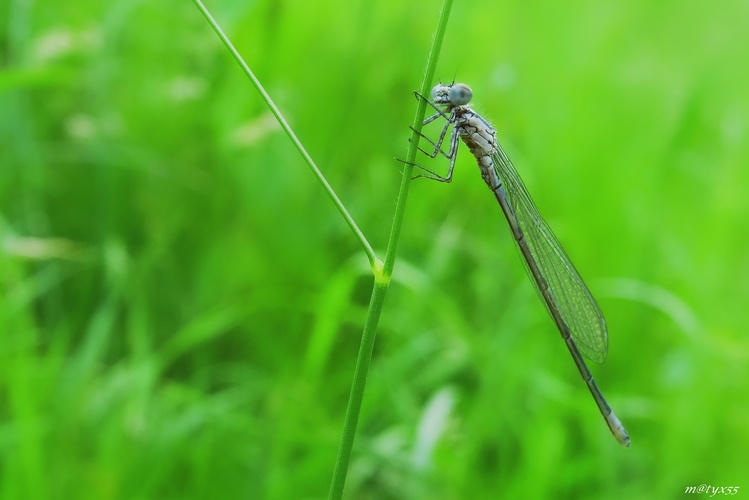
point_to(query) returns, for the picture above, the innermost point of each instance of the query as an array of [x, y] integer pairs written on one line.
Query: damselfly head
[[458, 94]]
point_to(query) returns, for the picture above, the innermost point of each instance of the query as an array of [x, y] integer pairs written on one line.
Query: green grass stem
[[382, 281], [371, 256], [382, 272]]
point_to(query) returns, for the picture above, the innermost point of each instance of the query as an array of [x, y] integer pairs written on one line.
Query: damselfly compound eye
[[460, 94]]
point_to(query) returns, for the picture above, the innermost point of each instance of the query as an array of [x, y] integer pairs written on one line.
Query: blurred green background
[[182, 305]]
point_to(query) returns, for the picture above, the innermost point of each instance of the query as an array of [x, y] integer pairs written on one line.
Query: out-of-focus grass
[[182, 304]]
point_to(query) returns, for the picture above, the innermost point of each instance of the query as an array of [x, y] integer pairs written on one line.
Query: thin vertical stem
[[400, 208], [382, 277], [382, 272]]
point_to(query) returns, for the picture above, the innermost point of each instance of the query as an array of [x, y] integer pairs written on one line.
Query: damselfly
[[569, 302]]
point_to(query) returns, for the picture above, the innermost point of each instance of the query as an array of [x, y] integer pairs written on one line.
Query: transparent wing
[[568, 293]]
